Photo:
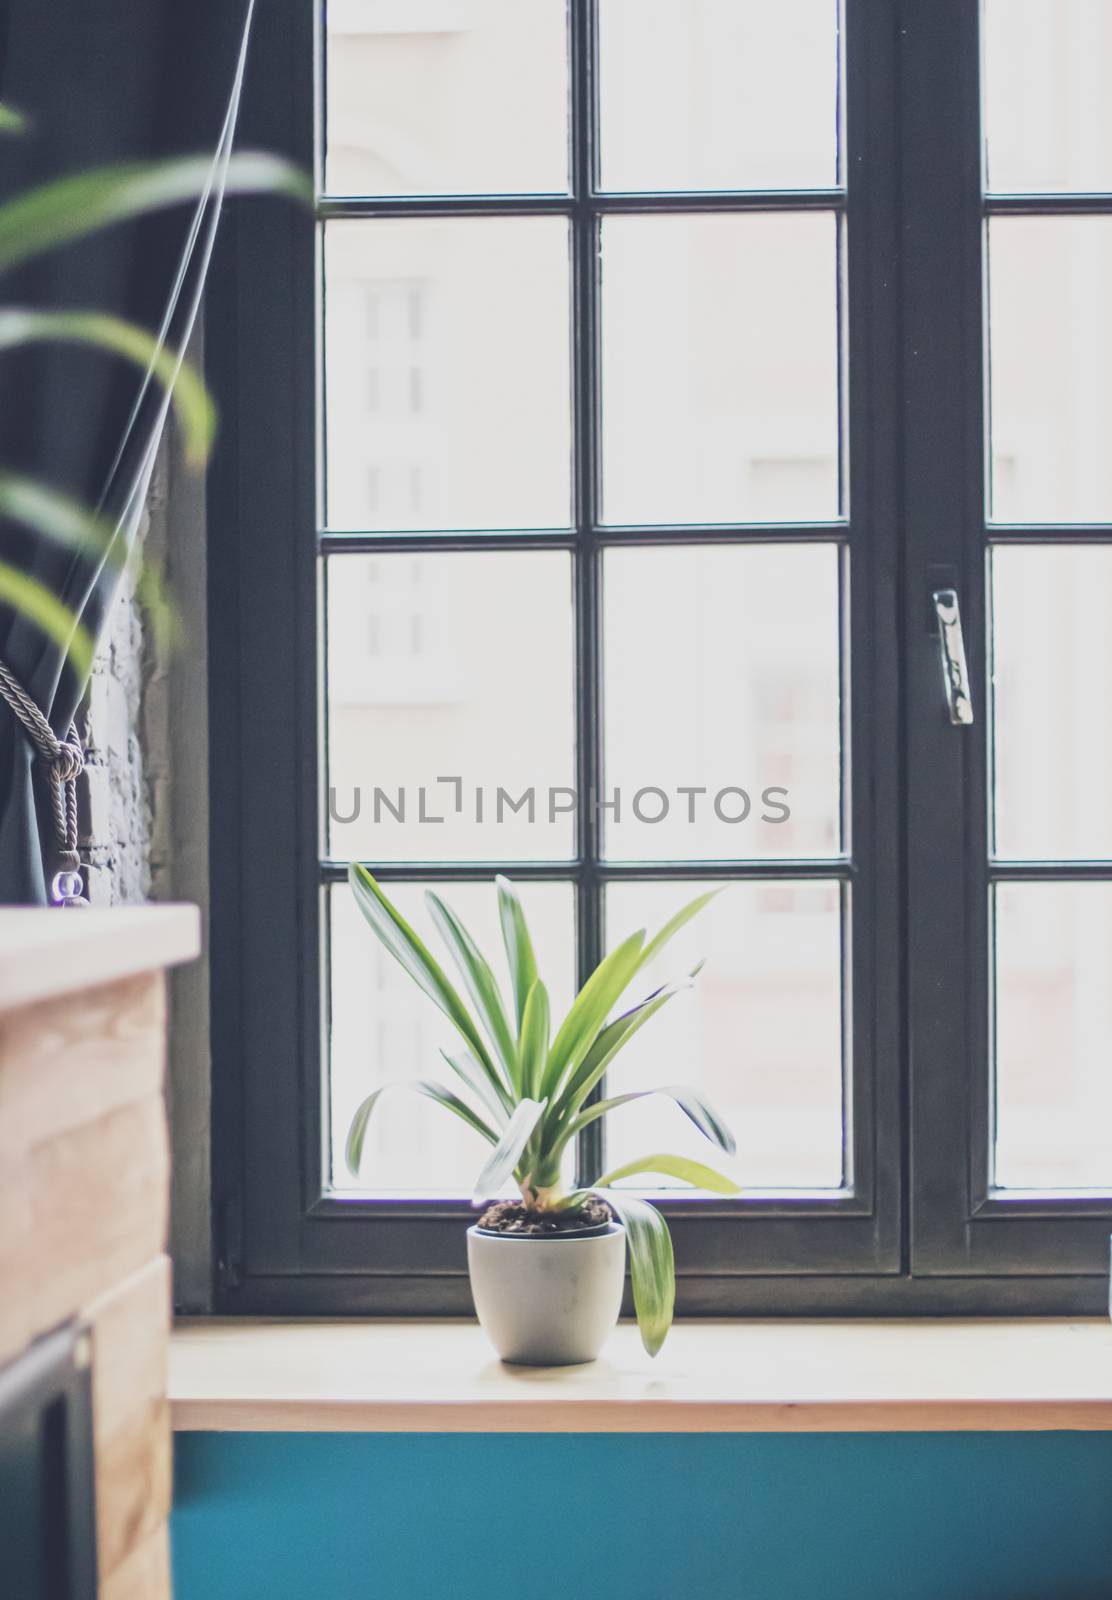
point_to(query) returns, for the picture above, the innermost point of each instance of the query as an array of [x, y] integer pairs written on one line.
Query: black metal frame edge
[[960, 1224], [1047, 205], [585, 870], [266, 876], [268, 1114], [814, 1295], [586, 197], [333, 541]]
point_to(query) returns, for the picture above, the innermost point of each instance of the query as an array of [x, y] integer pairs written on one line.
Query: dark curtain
[[101, 81]]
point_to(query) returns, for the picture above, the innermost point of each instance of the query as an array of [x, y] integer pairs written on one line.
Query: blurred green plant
[[58, 213], [529, 1093]]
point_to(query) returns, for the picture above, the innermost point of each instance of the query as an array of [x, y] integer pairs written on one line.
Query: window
[[594, 458]]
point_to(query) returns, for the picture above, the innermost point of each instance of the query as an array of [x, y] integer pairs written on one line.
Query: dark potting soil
[[510, 1216]]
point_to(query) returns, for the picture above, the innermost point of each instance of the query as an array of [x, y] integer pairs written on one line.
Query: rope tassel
[[65, 761]]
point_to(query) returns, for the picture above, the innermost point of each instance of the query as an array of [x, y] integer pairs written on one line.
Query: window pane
[[1048, 119], [446, 96], [760, 1032], [1052, 667], [718, 94], [447, 373], [1050, 347], [721, 674], [1053, 1023], [446, 666], [384, 1028], [720, 368]]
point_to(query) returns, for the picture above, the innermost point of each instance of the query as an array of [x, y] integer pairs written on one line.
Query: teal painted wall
[[654, 1517]]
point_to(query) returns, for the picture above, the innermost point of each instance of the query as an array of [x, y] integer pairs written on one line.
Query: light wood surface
[[46, 952], [65, 1065], [144, 1574], [714, 1377], [130, 1414], [100, 1207], [84, 1155], [84, 1193]]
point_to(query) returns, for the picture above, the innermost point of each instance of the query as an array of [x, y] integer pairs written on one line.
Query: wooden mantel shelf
[[46, 952], [85, 1198], [714, 1377]]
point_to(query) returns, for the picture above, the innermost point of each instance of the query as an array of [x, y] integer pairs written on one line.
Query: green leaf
[[192, 405], [73, 207], [42, 607], [674, 924], [582, 1077], [652, 1267], [693, 1172], [469, 1072], [701, 1112], [609, 1041], [64, 520], [534, 1038], [11, 120], [507, 1153], [481, 984], [357, 1133], [407, 949], [589, 1011], [56, 516], [519, 946], [59, 517]]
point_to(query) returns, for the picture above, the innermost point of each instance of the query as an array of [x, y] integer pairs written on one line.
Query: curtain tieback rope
[[65, 761]]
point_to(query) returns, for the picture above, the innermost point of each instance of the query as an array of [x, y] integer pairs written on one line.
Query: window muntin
[[384, 1029], [1047, 119], [420, 94], [471, 365], [1051, 677], [708, 392], [446, 745], [761, 1036], [665, 75], [1050, 359], [1048, 339], [1052, 1021], [720, 353], [721, 687]]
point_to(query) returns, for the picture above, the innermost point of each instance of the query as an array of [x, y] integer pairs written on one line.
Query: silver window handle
[[955, 673]]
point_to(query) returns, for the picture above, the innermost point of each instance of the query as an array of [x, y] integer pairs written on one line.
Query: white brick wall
[[122, 745], [144, 819]]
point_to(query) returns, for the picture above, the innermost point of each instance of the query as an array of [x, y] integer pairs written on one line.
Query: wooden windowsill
[[44, 954], [713, 1377]]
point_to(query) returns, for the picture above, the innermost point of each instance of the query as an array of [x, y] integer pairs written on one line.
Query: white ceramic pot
[[547, 1301]]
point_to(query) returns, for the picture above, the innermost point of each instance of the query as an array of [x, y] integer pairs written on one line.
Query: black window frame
[[914, 1232]]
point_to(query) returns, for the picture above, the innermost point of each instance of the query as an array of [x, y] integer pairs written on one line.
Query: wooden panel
[[99, 1203], [16, 1307], [83, 1150], [130, 1414], [84, 1193], [70, 1061], [535, 1415], [131, 1327], [145, 1575], [718, 1377], [134, 1478]]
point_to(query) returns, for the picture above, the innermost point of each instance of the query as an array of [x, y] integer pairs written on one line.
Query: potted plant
[[547, 1270]]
